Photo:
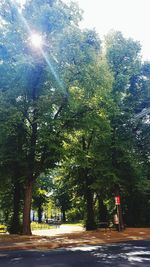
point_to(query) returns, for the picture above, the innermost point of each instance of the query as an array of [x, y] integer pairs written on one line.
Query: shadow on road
[[127, 254]]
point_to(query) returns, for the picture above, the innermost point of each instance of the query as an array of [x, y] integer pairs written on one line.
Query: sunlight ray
[[36, 40]]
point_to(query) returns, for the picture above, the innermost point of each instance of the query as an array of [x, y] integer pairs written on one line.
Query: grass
[[42, 226], [73, 223], [39, 226], [3, 228]]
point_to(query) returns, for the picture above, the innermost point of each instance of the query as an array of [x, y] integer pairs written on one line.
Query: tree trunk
[[27, 208], [90, 220], [63, 215], [103, 214], [119, 209], [40, 210], [15, 227], [36, 78], [121, 218]]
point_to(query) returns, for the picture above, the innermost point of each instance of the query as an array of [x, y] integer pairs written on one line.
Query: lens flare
[[36, 40]]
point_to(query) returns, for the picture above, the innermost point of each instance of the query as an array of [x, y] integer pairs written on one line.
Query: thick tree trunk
[[27, 208], [36, 77], [15, 227], [103, 214], [90, 220], [88, 192]]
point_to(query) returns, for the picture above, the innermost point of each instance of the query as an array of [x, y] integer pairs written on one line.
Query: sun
[[36, 40]]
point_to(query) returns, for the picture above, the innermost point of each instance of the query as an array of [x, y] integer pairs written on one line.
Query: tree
[[33, 90], [62, 191], [41, 191], [81, 141], [45, 84], [129, 87], [61, 106]]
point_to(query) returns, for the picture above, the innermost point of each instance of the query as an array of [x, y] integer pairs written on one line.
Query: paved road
[[129, 254], [62, 229]]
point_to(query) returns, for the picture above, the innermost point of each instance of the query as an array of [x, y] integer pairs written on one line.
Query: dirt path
[[58, 230]]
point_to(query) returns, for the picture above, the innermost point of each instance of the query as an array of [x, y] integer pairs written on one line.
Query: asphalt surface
[[127, 254]]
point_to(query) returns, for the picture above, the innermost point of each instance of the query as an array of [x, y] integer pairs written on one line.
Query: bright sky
[[131, 17]]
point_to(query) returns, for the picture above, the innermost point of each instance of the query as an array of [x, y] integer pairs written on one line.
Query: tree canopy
[[68, 109]]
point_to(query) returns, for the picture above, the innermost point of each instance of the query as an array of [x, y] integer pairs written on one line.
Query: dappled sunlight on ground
[[127, 252], [72, 239]]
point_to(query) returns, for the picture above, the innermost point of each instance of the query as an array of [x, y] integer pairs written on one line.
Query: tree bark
[[27, 208], [103, 213], [15, 227], [36, 78], [88, 192], [90, 220]]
